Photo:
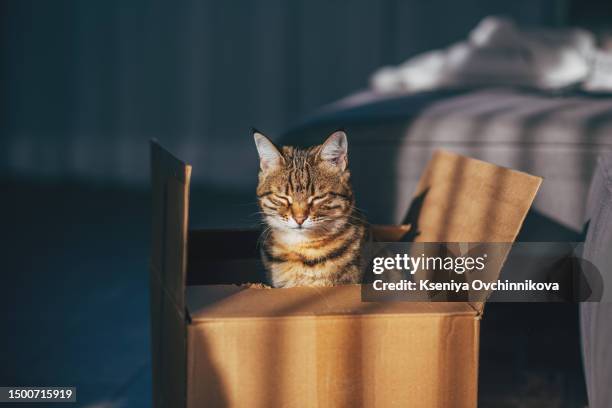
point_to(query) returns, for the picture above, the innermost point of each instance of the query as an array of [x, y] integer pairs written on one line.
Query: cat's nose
[[300, 218]]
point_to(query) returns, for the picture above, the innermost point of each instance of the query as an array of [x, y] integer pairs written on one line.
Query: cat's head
[[305, 190]]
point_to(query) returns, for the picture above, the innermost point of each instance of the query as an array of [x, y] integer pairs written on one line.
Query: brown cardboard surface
[[209, 302], [319, 347], [405, 360], [460, 199]]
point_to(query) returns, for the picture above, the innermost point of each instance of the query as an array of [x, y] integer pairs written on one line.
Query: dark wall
[[87, 83]]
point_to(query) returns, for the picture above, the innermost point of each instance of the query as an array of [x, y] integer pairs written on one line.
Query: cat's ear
[[335, 150], [269, 156]]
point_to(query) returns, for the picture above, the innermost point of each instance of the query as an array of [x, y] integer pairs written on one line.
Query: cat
[[314, 234]]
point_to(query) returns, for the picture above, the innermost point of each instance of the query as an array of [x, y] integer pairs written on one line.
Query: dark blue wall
[[87, 83]]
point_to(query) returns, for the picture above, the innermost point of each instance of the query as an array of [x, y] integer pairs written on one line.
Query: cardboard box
[[217, 344]]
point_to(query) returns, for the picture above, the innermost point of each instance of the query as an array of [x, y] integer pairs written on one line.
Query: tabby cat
[[314, 234]]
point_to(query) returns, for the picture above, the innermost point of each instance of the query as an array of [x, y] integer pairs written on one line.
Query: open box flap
[[170, 189], [170, 206], [464, 200]]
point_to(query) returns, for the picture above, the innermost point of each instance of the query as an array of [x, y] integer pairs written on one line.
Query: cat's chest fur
[[293, 259]]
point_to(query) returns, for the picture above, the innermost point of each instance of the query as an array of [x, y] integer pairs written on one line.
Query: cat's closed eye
[[318, 198], [285, 198], [272, 199]]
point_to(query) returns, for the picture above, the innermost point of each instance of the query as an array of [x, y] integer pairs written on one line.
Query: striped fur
[[314, 234]]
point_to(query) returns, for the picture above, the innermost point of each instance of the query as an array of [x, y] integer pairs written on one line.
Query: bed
[[391, 137]]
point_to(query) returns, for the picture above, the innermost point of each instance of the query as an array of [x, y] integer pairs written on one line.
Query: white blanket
[[497, 52]]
